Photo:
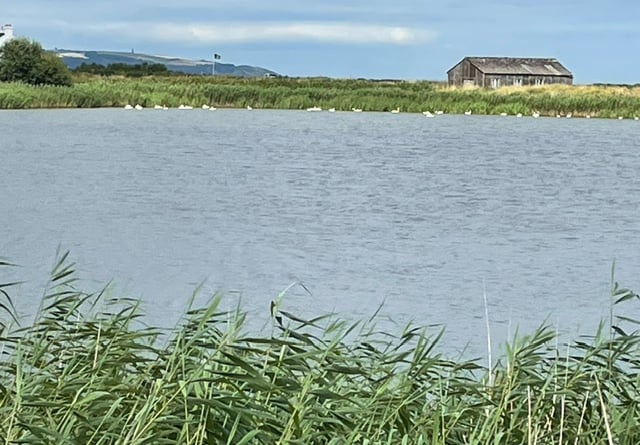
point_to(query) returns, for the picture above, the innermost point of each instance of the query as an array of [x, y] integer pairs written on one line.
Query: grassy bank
[[87, 371], [284, 93]]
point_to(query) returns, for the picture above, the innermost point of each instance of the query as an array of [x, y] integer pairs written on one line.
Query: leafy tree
[[22, 60], [53, 71]]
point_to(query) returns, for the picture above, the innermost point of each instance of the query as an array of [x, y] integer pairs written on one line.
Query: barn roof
[[520, 66]]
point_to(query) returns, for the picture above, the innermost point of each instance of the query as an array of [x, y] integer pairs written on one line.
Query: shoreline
[[342, 95]]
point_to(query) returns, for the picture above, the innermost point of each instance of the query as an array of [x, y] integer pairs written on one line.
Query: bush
[[124, 69], [22, 60]]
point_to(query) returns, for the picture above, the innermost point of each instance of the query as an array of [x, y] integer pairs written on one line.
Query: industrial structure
[[6, 34], [496, 72]]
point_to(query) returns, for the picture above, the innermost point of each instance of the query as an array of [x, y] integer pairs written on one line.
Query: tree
[[22, 60], [124, 69]]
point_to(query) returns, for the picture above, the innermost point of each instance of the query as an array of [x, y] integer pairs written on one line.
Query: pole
[[216, 56]]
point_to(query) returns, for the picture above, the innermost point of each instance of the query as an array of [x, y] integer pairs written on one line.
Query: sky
[[597, 40]]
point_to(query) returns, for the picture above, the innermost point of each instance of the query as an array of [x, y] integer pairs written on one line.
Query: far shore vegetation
[[33, 78], [148, 86], [86, 369]]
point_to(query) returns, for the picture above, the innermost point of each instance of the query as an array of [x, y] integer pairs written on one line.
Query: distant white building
[[6, 34]]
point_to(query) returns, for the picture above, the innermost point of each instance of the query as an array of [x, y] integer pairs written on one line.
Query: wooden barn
[[496, 72]]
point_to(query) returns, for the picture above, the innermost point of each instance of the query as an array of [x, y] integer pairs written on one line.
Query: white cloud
[[319, 32], [230, 32]]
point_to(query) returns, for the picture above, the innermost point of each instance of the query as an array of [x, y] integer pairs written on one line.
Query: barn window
[[517, 82], [539, 80], [495, 82]]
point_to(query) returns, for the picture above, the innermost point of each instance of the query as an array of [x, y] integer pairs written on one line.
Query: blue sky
[[401, 39]]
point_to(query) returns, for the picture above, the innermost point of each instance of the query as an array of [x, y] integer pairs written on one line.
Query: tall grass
[[87, 370], [285, 93]]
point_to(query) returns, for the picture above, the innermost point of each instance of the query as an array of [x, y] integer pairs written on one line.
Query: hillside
[[74, 58]]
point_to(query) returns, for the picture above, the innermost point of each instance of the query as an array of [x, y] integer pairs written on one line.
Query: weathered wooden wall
[[466, 73]]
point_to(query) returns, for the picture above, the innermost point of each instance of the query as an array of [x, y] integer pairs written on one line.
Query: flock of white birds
[[164, 107], [535, 114]]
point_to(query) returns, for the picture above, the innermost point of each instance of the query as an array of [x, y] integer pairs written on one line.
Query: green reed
[[88, 370], [345, 94]]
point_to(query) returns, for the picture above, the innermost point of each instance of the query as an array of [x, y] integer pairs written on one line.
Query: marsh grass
[[87, 370], [341, 94]]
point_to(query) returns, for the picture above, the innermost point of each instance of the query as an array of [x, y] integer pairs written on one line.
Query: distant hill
[[74, 58]]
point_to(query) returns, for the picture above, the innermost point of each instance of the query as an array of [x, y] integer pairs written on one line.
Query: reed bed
[[87, 370], [287, 93]]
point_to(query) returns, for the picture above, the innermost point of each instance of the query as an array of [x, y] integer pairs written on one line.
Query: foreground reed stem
[[87, 371]]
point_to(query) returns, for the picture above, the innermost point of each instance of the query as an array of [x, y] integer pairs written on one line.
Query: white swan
[[314, 109], [396, 111], [138, 107], [535, 114], [357, 110], [128, 107], [467, 113], [249, 108], [332, 110], [428, 114]]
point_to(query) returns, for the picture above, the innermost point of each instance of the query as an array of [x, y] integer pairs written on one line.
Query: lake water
[[422, 214]]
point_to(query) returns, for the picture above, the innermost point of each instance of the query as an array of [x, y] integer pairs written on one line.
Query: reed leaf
[[86, 370]]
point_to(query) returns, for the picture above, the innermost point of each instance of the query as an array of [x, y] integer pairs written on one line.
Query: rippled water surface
[[424, 215]]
